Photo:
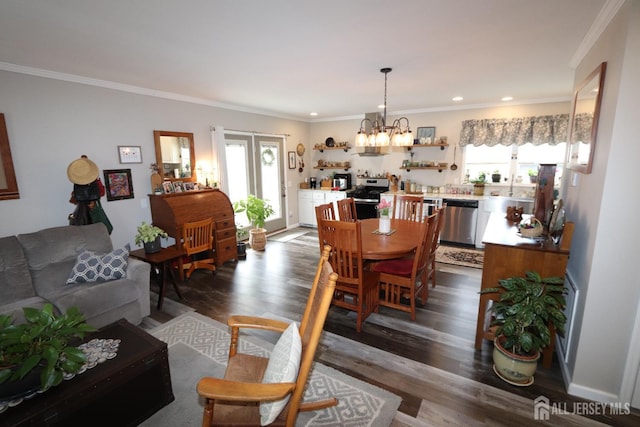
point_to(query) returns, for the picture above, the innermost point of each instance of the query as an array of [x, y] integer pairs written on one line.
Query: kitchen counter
[[432, 196]]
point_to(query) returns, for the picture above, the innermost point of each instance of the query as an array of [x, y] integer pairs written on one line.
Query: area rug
[[199, 346], [288, 235], [460, 256]]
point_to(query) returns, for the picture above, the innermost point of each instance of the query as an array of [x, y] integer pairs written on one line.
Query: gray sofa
[[34, 268]]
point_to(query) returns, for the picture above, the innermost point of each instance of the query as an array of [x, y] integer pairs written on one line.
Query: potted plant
[[495, 176], [478, 184], [35, 355], [149, 236], [533, 176], [257, 211], [241, 246], [523, 317]]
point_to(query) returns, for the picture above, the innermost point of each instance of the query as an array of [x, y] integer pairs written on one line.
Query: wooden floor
[[430, 363]]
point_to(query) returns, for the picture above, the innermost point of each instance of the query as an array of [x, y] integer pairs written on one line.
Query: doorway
[[254, 164]]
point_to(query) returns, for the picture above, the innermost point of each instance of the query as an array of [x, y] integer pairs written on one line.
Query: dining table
[[401, 241]]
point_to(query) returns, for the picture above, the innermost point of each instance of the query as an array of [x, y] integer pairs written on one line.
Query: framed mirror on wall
[[8, 183], [584, 120], [175, 155]]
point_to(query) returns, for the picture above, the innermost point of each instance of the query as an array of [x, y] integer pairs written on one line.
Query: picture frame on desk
[[167, 187]]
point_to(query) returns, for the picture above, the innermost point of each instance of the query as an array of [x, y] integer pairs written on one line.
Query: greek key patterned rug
[[460, 256], [199, 346]]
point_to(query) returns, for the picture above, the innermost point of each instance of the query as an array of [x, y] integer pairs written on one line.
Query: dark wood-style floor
[[430, 363]]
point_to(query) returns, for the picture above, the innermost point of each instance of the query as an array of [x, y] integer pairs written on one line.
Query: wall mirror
[[175, 155], [584, 120], [8, 183]]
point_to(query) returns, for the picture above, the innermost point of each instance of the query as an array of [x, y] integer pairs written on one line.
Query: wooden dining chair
[[324, 211], [407, 207], [356, 288], [406, 278], [197, 240], [347, 209], [258, 390], [435, 243]]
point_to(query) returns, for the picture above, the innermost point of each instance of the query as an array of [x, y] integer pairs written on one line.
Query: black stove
[[367, 195]]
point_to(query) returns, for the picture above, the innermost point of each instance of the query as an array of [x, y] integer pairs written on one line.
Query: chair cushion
[[92, 267], [399, 267], [283, 367]]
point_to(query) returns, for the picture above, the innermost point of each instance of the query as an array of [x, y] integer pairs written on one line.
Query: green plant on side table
[[241, 246], [149, 236], [41, 343], [527, 307], [257, 211]]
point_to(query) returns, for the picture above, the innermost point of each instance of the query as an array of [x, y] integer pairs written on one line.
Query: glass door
[[255, 166]]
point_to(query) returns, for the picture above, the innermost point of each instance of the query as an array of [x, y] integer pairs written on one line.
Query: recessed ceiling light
[[313, 113], [457, 98], [507, 98]]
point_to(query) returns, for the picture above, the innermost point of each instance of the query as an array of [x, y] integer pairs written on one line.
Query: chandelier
[[382, 135]]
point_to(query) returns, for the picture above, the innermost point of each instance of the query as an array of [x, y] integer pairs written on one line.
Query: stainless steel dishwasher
[[460, 221]]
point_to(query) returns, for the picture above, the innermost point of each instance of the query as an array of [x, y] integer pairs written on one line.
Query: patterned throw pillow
[[91, 267], [283, 367]]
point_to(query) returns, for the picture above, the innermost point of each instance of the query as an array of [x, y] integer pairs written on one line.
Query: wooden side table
[[508, 255], [162, 261]]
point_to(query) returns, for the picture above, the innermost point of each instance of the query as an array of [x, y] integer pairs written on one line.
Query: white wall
[[51, 123], [604, 206]]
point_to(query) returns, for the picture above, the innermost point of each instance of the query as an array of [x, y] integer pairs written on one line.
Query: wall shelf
[[439, 168], [322, 148], [346, 168], [442, 146]]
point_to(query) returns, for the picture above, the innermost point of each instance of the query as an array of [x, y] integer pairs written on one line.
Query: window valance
[[536, 130]]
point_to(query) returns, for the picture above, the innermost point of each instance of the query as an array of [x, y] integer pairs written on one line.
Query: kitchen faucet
[[511, 187]]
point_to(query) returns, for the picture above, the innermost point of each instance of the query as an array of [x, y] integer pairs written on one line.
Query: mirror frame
[[156, 138], [595, 77], [11, 192]]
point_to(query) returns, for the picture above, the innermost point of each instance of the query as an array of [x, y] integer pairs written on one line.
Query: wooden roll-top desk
[[171, 211]]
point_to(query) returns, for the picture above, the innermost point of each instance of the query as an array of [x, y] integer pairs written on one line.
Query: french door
[[254, 165]]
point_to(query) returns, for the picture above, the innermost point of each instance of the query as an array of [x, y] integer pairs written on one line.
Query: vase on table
[[384, 225]]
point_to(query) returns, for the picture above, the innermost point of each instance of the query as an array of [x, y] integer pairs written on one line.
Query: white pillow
[[283, 367]]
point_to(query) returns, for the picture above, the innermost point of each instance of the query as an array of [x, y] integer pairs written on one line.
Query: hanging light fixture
[[382, 135]]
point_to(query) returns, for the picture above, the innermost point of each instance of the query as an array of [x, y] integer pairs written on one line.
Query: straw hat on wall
[[82, 171]]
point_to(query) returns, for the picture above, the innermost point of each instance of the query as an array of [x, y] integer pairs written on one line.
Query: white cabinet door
[[333, 197], [306, 211]]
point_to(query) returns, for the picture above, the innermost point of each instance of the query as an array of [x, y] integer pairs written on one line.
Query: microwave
[[342, 181]]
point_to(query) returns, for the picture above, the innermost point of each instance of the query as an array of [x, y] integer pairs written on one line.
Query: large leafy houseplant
[[42, 341], [256, 209], [527, 306]]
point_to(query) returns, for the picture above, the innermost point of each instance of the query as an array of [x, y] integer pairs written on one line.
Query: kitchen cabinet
[[497, 204], [309, 199]]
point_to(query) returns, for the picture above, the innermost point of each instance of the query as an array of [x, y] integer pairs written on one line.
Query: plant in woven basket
[[42, 341], [532, 227]]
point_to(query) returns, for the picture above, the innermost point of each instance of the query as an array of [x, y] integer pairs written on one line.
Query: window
[[513, 161]]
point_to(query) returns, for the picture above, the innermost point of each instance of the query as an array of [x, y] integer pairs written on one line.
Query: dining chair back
[[356, 288], [435, 243], [407, 207], [324, 211], [197, 239], [244, 396], [347, 209], [406, 278]]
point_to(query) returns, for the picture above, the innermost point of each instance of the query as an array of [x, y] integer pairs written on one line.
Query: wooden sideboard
[[171, 211], [506, 254]]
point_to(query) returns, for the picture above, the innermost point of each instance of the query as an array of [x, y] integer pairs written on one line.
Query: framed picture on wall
[[130, 153], [426, 135], [118, 184], [292, 159]]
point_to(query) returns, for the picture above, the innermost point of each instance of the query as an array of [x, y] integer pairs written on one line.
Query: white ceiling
[[288, 57]]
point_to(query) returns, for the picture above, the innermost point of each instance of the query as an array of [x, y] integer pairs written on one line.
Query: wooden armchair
[[357, 288], [197, 238], [243, 394], [347, 209], [407, 207], [407, 277]]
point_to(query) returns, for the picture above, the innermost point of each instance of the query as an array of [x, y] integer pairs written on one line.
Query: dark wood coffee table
[[123, 391]]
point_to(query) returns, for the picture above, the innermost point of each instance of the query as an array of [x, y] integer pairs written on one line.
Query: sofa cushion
[[15, 280], [91, 267], [14, 309], [52, 253]]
